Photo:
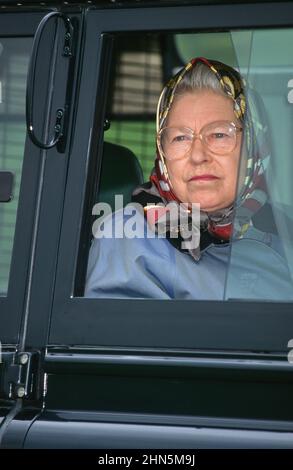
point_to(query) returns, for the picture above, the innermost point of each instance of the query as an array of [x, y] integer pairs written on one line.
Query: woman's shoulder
[[271, 224], [125, 262]]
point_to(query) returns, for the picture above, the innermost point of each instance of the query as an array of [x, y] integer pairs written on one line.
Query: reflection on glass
[[265, 269], [14, 56]]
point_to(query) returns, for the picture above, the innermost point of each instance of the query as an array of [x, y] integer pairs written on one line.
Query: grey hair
[[200, 77]]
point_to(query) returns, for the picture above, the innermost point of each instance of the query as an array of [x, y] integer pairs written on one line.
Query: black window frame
[[12, 306], [178, 324]]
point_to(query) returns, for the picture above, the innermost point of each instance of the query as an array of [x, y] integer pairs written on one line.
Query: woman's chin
[[210, 206], [210, 202]]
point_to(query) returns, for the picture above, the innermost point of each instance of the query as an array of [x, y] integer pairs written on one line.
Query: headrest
[[120, 174]]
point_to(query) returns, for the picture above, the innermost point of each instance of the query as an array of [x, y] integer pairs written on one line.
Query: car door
[[32, 43], [19, 160], [122, 372]]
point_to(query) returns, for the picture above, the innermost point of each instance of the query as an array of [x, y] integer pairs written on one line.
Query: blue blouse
[[253, 267]]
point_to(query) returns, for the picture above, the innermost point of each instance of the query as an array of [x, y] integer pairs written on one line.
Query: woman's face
[[202, 176]]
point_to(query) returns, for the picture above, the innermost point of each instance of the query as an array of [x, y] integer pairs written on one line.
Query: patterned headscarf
[[215, 227]]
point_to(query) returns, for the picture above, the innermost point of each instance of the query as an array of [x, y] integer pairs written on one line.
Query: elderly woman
[[204, 126]]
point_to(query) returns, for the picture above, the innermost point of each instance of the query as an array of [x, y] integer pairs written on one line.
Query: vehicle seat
[[120, 174]]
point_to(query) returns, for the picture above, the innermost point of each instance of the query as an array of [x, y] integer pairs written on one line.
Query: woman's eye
[[181, 138], [219, 135]]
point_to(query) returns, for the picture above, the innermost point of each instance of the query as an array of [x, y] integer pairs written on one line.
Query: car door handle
[[61, 112]]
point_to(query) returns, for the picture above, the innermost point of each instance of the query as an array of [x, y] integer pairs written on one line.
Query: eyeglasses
[[219, 137]]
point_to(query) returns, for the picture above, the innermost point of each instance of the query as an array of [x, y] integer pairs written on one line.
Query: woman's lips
[[204, 178]]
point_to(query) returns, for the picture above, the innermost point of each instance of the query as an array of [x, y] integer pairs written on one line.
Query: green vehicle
[[79, 83]]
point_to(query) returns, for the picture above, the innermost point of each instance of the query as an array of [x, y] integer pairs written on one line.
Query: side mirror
[[6, 185]]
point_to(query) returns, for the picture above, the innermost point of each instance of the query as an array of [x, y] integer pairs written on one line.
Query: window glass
[[244, 253], [14, 56], [264, 269]]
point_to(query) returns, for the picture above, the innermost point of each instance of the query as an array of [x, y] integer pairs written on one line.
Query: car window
[[260, 266], [14, 56], [264, 269], [109, 292]]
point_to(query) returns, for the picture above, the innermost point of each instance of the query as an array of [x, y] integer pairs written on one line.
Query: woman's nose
[[198, 152]]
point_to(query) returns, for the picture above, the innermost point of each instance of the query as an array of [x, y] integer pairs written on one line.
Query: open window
[[140, 65]]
